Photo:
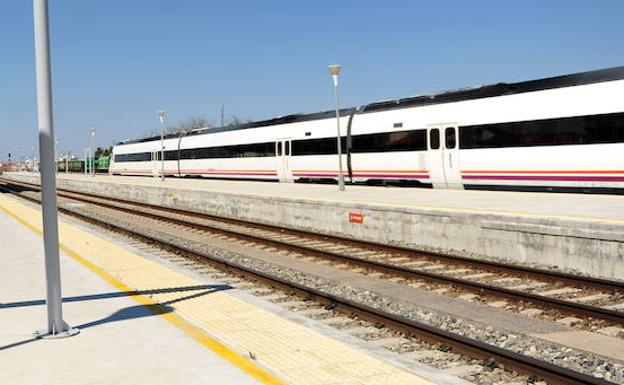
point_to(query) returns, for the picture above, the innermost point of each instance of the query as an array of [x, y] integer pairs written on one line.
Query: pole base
[[44, 334]]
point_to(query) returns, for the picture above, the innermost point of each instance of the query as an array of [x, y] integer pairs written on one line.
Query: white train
[[558, 134]]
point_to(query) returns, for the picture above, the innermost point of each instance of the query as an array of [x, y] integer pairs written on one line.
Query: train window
[[449, 135], [434, 138], [287, 148], [136, 157], [252, 150], [279, 148], [320, 146], [390, 141], [396, 141], [592, 129], [269, 149]]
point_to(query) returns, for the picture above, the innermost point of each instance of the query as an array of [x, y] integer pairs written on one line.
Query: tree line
[[195, 123]]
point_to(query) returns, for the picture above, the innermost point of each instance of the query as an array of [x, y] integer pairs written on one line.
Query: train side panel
[[584, 166]]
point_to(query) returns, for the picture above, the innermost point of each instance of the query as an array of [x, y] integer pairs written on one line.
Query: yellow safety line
[[194, 332]]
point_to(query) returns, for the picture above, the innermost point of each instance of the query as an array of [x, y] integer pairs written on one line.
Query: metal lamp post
[[92, 151], [334, 69], [84, 155], [56, 326], [161, 116]]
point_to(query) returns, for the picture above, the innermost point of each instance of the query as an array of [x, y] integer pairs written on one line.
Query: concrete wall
[[589, 247]]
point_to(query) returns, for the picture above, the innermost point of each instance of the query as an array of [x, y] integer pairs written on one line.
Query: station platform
[[143, 322], [577, 232], [586, 207]]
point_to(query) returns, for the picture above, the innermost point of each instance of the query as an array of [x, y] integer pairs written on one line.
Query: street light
[[56, 326], [334, 70], [85, 153], [161, 116], [92, 151]]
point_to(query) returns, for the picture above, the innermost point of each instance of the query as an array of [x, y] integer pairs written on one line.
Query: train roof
[[242, 126], [502, 89], [485, 91]]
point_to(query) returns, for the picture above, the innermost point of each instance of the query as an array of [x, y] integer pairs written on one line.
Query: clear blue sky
[[115, 62]]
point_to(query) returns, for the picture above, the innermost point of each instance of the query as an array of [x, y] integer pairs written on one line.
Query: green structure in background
[[76, 165], [102, 163]]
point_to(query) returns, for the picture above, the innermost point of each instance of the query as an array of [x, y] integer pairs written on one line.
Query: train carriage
[[557, 134]]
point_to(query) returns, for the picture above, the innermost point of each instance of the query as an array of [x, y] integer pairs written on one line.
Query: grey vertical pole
[[341, 183], [161, 116], [56, 326], [162, 150], [222, 115], [92, 151]]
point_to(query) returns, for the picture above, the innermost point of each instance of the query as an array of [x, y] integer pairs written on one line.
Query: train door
[[283, 150], [452, 173], [443, 156], [155, 164], [434, 157]]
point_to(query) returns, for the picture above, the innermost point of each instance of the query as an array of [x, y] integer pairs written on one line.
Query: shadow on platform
[[128, 313], [116, 294]]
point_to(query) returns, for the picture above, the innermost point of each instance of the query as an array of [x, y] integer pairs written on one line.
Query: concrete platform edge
[[589, 246]]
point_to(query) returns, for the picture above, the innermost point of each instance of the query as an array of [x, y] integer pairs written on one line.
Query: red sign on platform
[[356, 218]]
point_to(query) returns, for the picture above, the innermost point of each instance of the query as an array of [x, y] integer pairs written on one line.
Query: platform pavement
[[120, 340], [203, 335]]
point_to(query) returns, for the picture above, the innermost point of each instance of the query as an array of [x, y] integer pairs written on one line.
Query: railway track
[[337, 250], [515, 283]]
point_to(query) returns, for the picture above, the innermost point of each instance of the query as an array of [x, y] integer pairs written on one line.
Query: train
[[102, 164], [561, 134]]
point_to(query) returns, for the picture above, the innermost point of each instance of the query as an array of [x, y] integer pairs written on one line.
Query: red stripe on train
[[554, 178]]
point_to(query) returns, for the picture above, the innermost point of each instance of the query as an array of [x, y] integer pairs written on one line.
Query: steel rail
[[598, 283], [515, 295]]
